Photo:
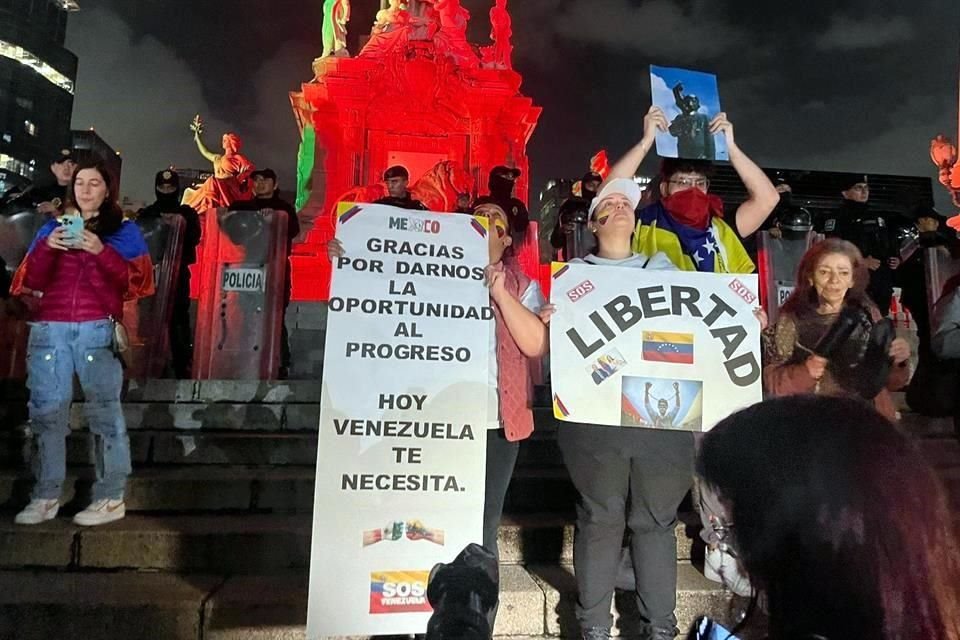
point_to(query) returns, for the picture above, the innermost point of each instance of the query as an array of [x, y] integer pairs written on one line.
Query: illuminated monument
[[417, 94]]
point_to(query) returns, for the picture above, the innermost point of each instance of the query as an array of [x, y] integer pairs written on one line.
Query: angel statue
[[336, 15], [230, 172]]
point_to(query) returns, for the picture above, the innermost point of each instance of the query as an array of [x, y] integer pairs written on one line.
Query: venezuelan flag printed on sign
[[399, 592], [662, 346]]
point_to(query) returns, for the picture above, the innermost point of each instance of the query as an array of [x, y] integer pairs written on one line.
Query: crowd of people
[[813, 497]]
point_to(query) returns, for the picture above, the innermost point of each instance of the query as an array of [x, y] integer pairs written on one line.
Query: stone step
[[249, 543], [273, 489], [221, 415], [152, 447], [536, 601]]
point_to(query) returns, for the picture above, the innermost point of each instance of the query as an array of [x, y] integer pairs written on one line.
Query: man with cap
[[167, 189], [501, 183], [570, 233], [397, 179], [871, 232], [49, 199], [266, 195], [687, 222]]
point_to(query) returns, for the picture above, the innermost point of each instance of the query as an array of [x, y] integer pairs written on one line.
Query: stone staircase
[[217, 543]]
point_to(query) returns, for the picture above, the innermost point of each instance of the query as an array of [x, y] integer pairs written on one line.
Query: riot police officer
[[167, 189], [870, 231], [570, 233]]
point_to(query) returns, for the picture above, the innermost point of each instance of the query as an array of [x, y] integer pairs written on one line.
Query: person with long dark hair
[[839, 521], [832, 276], [80, 282]]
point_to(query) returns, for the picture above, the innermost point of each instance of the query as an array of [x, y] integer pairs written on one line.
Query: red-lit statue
[[230, 172], [499, 55], [451, 39]]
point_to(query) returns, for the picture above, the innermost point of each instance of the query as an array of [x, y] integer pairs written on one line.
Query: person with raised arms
[[688, 223]]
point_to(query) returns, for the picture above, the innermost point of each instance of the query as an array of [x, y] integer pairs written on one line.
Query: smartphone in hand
[[73, 223]]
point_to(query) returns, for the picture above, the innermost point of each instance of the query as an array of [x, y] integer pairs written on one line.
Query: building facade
[[37, 79]]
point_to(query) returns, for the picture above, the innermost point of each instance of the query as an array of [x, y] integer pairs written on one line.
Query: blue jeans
[[55, 352]]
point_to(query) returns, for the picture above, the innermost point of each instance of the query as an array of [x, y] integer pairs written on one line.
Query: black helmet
[[796, 219]]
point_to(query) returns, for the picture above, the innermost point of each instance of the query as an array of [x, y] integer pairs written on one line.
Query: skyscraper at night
[[37, 78]]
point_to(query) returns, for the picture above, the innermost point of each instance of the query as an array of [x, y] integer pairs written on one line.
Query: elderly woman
[[831, 277]]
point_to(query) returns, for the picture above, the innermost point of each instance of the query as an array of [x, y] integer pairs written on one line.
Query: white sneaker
[[38, 511], [720, 566], [101, 512]]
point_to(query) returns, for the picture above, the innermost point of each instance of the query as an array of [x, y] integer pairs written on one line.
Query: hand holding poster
[[689, 100], [403, 418], [656, 349]]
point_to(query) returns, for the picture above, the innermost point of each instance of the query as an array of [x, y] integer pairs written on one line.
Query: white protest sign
[[656, 349], [403, 418]]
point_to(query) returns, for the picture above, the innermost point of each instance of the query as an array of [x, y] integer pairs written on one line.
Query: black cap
[[269, 174], [396, 171], [64, 156], [847, 180], [512, 173], [591, 176], [167, 177]]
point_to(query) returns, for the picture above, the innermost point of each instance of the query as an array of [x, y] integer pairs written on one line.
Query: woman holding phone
[[81, 276]]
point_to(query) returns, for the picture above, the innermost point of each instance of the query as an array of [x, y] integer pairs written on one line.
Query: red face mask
[[693, 207]]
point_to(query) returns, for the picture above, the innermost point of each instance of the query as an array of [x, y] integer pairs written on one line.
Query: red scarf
[[693, 208]]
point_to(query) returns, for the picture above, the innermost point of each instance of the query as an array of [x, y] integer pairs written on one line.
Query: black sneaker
[[660, 633], [595, 633]]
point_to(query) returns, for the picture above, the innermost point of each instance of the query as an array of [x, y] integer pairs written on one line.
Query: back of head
[[838, 519]]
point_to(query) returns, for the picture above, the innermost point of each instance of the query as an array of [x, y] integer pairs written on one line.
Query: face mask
[[693, 207]]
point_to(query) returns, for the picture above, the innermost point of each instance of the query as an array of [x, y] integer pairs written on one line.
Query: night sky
[[856, 85]]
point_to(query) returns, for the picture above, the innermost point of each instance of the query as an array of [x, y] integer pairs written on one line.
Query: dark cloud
[[865, 32]]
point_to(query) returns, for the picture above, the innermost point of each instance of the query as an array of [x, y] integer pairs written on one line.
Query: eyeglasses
[[686, 183]]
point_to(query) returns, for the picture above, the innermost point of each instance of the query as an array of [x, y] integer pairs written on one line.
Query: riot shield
[[148, 319], [938, 267], [777, 262], [16, 233], [240, 308]]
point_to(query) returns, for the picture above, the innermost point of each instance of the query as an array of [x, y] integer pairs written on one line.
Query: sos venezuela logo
[[399, 592]]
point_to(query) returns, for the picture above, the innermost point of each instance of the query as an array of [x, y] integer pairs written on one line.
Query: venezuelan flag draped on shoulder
[[127, 241], [715, 249]]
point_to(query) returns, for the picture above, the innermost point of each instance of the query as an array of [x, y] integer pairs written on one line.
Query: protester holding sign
[[831, 290], [519, 335], [687, 223], [621, 470]]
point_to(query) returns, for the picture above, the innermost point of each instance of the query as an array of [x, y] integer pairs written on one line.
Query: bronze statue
[[230, 172]]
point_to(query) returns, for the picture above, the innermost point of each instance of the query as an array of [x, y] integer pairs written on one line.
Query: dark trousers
[[634, 479], [501, 459], [181, 336]]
